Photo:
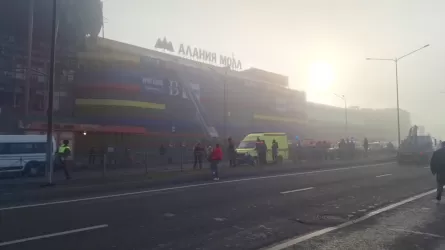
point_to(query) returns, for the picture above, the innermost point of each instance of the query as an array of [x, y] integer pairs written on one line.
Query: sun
[[321, 76]]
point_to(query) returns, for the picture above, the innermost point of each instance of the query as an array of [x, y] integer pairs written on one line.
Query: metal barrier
[[115, 164], [174, 159]]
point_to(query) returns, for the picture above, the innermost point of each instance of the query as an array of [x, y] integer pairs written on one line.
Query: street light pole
[[398, 107], [396, 60], [49, 132], [346, 113], [29, 59]]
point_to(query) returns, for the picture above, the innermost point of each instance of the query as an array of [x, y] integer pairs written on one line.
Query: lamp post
[[49, 132], [396, 60], [29, 59], [346, 113]]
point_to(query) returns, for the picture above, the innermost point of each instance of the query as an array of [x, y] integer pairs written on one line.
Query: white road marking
[[52, 235], [219, 219], [297, 190], [383, 175], [187, 187], [414, 232], [300, 239], [426, 167]]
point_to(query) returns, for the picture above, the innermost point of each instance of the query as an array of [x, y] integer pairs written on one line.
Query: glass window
[[247, 144], [23, 148]]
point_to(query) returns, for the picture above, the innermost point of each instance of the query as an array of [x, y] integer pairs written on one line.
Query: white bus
[[24, 153]]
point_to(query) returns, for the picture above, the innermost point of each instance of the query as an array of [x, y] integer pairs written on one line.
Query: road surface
[[249, 213]]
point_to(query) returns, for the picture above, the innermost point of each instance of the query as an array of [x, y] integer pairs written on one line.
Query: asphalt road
[[248, 213]]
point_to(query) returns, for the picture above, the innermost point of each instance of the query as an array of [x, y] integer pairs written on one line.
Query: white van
[[24, 153]]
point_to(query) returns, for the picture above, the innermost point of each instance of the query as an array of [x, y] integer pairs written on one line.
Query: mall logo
[[199, 54], [164, 44]]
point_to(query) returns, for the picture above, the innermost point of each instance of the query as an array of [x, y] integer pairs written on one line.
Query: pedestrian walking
[[61, 157], [437, 165], [215, 157]]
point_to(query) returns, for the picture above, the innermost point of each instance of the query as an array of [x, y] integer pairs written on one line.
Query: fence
[[139, 163], [176, 158]]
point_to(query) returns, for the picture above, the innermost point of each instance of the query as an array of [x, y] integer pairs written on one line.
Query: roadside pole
[[49, 133], [29, 59]]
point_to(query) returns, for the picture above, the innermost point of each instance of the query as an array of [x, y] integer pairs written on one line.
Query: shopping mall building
[[112, 94]]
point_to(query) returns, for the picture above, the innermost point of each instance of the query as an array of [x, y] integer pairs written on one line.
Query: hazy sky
[[320, 44]]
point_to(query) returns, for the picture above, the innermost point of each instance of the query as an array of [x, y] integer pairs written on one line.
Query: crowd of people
[[320, 150], [212, 153]]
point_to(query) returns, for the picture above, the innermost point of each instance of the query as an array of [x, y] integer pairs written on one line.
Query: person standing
[[215, 157], [264, 152], [437, 165], [259, 149], [274, 150], [62, 154], [198, 153], [232, 153], [366, 146]]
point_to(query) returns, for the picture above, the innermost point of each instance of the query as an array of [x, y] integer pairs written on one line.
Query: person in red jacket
[[215, 158]]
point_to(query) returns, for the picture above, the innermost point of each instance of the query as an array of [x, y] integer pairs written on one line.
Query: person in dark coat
[[198, 153], [366, 146], [231, 150], [437, 165], [274, 150]]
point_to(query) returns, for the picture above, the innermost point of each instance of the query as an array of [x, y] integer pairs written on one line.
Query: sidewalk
[[418, 224], [167, 175], [30, 190]]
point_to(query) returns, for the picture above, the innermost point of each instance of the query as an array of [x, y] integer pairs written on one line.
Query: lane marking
[[186, 187], [414, 232], [300, 239], [297, 190], [383, 175], [52, 235]]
